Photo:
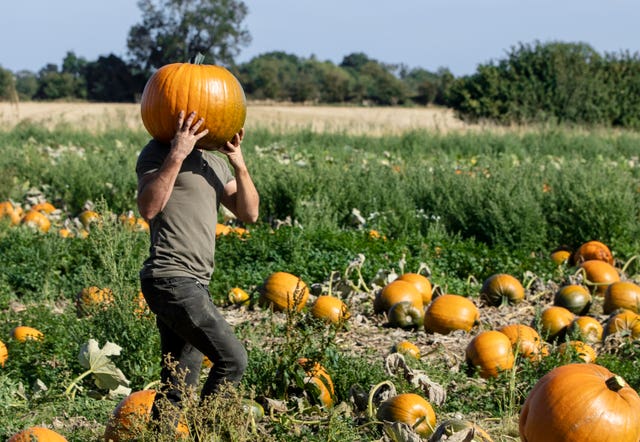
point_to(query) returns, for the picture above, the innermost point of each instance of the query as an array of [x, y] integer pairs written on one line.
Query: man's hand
[[187, 135], [233, 151]]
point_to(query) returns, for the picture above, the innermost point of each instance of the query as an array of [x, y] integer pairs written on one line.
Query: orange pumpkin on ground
[[560, 255], [284, 292], [622, 294], [554, 322], [524, 340], [330, 309], [624, 322], [213, 92], [490, 352], [500, 289], [91, 298], [580, 402], [407, 348], [88, 217], [36, 220], [394, 292], [4, 353], [238, 296], [130, 417], [586, 328], [13, 213], [574, 297], [410, 409], [23, 333], [44, 207], [599, 275], [37, 434], [581, 349], [318, 376], [421, 283], [592, 250], [449, 312]]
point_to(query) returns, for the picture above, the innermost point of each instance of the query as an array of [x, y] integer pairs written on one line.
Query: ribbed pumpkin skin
[[574, 297], [587, 328], [449, 312], [502, 288], [211, 91], [622, 294], [284, 292], [408, 408], [330, 309], [592, 250], [490, 351], [35, 434], [572, 403], [524, 339], [624, 321], [584, 351]]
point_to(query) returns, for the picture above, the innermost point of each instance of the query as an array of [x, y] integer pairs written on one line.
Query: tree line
[[535, 82]]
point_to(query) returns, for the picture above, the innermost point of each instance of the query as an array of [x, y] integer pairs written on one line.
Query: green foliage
[[173, 31], [550, 83]]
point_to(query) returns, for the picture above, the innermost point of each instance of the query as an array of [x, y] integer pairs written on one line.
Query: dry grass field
[[352, 120]]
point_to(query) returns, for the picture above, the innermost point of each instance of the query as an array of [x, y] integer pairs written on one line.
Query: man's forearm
[[247, 198], [154, 191]]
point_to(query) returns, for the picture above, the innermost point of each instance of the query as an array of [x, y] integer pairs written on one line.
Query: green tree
[[110, 79], [26, 84], [55, 85], [176, 30], [7, 85]]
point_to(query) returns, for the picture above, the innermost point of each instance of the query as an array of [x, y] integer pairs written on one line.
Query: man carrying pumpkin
[[180, 188]]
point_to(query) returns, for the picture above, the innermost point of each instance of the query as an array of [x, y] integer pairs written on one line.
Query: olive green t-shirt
[[183, 235]]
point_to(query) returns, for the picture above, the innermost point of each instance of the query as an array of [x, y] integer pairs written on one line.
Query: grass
[[465, 205]]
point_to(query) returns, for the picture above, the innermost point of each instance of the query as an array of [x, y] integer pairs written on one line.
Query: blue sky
[[457, 34]]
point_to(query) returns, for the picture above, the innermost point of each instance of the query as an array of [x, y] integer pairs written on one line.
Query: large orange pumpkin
[[421, 283], [580, 402], [394, 292], [410, 409], [37, 434], [592, 250], [502, 288], [490, 352], [131, 415], [448, 312], [622, 294], [599, 275], [211, 91], [284, 292]]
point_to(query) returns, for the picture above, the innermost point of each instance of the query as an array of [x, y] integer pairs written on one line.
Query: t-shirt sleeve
[[150, 159]]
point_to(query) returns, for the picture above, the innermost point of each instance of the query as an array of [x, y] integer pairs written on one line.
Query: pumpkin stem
[[615, 383], [199, 58]]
